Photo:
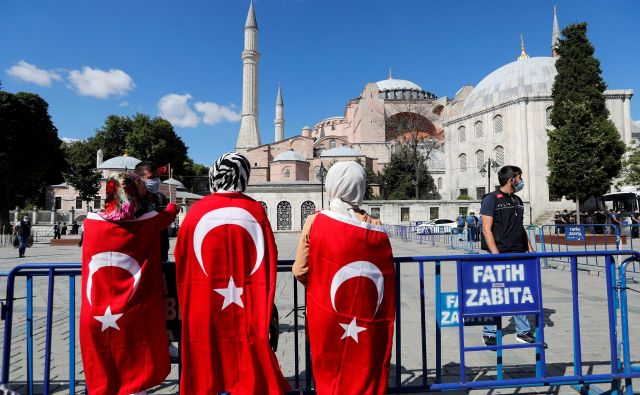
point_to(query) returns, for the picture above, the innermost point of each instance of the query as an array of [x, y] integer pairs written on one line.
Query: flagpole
[[170, 190]]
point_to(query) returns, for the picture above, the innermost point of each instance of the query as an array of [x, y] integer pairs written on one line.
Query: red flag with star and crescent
[[350, 305], [226, 266], [123, 339]]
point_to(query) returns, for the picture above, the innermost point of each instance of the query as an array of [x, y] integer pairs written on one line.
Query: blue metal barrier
[[620, 364]]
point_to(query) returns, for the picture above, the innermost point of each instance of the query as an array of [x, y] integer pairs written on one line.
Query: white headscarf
[[346, 184]]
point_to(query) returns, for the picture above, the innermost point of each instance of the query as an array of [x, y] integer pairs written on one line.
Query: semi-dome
[[341, 151], [174, 182], [522, 78], [392, 84], [123, 162], [289, 155]]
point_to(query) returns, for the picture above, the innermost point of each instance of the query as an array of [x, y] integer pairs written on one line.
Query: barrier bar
[[438, 301], [577, 348], [72, 334], [47, 350], [398, 331], [29, 335], [423, 323]]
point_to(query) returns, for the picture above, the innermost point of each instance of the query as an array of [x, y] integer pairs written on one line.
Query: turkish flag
[[163, 169], [122, 319], [350, 305], [226, 264]]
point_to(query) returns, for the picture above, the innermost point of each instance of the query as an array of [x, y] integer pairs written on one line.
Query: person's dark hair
[[146, 165], [507, 173]]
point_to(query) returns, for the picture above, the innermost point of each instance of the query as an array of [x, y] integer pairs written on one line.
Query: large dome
[[393, 84], [522, 78], [120, 163]]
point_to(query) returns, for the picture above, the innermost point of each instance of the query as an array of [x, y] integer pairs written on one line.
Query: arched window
[[498, 152], [479, 158], [332, 144], [477, 128], [548, 116], [265, 207], [463, 162], [286, 172], [306, 210], [284, 215], [497, 124], [439, 182], [461, 135]]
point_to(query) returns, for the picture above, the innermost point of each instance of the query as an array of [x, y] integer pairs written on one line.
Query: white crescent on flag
[[229, 216], [358, 269], [113, 259]]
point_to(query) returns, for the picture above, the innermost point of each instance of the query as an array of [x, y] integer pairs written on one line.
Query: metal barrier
[[466, 239], [619, 364]]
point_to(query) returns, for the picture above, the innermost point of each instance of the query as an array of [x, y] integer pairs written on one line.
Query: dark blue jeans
[[22, 244]]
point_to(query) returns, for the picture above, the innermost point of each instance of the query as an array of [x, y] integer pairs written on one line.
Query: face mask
[[518, 187], [153, 185]]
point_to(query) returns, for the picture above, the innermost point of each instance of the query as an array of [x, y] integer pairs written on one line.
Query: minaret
[[555, 36], [523, 54], [279, 121], [99, 157], [249, 136]]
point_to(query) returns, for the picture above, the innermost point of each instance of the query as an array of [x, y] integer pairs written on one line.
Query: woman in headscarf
[[122, 321], [344, 259], [226, 263]]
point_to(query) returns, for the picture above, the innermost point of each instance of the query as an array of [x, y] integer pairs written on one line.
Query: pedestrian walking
[[23, 231]]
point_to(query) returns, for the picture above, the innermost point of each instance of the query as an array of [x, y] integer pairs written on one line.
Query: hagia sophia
[[503, 119]]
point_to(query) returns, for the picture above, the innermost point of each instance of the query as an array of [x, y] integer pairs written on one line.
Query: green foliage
[[631, 165], [81, 173], [585, 149], [400, 173], [31, 157], [371, 179], [463, 197]]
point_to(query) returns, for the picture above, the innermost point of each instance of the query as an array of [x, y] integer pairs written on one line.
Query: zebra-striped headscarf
[[229, 173]]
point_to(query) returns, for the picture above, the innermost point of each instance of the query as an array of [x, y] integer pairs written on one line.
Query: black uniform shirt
[[508, 230]]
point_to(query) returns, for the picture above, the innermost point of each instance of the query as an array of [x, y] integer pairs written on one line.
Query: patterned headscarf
[[124, 196], [229, 173]]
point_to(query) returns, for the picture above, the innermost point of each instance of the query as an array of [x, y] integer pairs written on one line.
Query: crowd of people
[[597, 221], [473, 225]]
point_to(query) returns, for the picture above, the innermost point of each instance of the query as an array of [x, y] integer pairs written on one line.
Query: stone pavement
[[481, 365]]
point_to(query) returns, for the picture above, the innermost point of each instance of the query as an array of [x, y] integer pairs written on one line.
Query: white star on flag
[[231, 294], [352, 329], [108, 320]]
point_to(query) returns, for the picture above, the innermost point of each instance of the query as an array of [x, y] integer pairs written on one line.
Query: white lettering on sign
[[493, 273], [498, 296]]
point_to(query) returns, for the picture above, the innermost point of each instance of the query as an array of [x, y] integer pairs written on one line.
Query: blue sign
[[449, 313], [490, 288], [575, 233]]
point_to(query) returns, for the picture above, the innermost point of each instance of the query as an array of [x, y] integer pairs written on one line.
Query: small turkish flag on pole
[[350, 305], [162, 170]]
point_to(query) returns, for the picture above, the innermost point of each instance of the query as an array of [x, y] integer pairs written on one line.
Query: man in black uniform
[[503, 232]]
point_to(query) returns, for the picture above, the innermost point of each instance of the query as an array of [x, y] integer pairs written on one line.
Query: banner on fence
[[575, 233], [499, 288], [449, 313]]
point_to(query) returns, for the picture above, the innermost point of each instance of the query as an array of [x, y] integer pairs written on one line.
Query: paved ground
[[481, 365]]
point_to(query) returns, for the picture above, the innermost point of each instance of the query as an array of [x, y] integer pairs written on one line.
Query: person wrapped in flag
[[345, 261]]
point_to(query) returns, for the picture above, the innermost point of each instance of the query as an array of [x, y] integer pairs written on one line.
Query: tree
[[371, 179], [631, 165], [399, 176], [81, 173], [585, 149], [31, 155]]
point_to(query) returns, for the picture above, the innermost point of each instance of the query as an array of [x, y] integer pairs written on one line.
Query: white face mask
[[153, 185]]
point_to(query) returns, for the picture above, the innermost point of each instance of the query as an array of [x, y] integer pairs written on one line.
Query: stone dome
[[289, 155], [341, 151], [174, 182], [522, 78], [119, 163], [392, 84]]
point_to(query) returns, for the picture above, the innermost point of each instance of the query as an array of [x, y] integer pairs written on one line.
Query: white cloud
[[175, 109], [30, 73], [124, 104], [69, 140], [100, 83], [214, 113]]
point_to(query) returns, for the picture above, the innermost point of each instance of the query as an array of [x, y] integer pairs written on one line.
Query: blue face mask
[[153, 185], [518, 187]]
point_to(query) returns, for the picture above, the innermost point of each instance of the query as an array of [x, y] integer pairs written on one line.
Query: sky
[[181, 59]]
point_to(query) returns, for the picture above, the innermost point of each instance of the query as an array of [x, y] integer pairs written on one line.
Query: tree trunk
[[577, 210]]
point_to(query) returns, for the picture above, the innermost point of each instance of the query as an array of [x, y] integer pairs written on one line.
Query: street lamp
[[322, 172], [486, 170]]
